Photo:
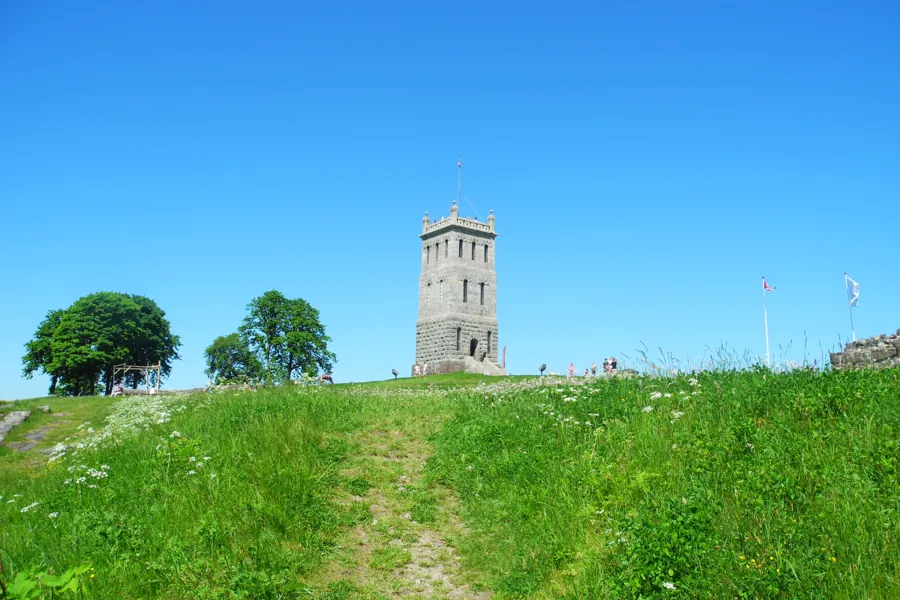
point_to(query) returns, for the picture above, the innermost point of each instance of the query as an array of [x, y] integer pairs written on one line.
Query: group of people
[[420, 371], [609, 367]]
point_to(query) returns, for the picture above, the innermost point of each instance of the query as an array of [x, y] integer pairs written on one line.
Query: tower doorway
[[473, 346]]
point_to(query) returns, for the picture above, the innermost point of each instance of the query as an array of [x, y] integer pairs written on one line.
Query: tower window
[[460, 248], [489, 343], [485, 253], [481, 285], [428, 294], [446, 248], [458, 336], [465, 290], [442, 292], [428, 255], [473, 250]]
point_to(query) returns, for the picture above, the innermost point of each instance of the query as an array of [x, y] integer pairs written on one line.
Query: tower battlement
[[457, 327], [454, 220]]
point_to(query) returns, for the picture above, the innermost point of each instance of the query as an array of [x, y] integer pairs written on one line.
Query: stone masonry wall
[[457, 254], [879, 352], [436, 338]]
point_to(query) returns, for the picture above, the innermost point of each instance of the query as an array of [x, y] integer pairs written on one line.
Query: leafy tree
[[229, 358], [261, 327], [99, 331], [155, 342], [305, 345], [287, 336], [39, 351]]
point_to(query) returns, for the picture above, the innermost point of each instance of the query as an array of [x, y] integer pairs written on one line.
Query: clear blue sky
[[647, 163]]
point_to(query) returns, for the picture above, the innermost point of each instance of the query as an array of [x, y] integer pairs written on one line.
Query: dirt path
[[403, 546]]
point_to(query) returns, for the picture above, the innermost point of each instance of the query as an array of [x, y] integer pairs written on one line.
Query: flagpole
[[766, 320], [849, 304]]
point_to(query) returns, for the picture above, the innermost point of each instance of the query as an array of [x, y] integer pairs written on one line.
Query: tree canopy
[[78, 347], [285, 337], [229, 358]]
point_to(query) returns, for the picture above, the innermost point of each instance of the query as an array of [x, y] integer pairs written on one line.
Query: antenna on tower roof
[[458, 178], [478, 214]]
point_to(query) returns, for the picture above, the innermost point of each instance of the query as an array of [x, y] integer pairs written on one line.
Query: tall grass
[[734, 484], [229, 499]]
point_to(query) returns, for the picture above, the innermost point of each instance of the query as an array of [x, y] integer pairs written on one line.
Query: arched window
[[446, 248], [473, 250], [465, 290], [458, 335], [485, 253], [428, 255], [428, 294], [481, 286], [460, 248]]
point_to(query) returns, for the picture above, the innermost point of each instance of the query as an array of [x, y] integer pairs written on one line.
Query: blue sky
[[647, 163]]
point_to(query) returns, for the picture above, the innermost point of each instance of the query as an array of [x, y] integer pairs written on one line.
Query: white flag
[[852, 290]]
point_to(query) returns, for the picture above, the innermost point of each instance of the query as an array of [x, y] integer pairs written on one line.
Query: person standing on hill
[[571, 369], [594, 369]]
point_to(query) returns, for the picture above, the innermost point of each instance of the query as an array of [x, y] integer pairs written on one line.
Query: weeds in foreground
[[730, 484], [229, 496]]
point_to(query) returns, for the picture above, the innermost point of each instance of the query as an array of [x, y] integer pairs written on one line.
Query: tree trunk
[[53, 380]]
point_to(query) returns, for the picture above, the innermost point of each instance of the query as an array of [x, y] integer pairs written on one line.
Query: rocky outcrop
[[879, 352], [11, 420]]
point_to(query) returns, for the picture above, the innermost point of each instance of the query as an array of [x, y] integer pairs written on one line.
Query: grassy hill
[[721, 485]]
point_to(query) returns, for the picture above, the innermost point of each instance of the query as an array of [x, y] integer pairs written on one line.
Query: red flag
[[767, 287]]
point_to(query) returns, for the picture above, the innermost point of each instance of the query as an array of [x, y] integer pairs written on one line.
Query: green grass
[[743, 485], [66, 414], [236, 502], [766, 486]]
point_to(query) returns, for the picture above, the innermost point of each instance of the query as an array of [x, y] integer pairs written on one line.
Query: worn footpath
[[404, 543]]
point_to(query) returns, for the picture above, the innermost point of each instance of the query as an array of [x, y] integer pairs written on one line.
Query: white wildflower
[[669, 585], [677, 414], [92, 486], [212, 475], [469, 468], [175, 434], [29, 507], [656, 395], [667, 395], [192, 459], [53, 515], [81, 480], [192, 472], [647, 409], [67, 481], [207, 458]]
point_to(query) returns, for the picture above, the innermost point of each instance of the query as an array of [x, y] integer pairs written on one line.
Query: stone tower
[[457, 325]]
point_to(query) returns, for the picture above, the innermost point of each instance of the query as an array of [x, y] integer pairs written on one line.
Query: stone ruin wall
[[879, 352]]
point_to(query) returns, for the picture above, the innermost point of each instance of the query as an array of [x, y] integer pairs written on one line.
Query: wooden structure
[[123, 369]]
